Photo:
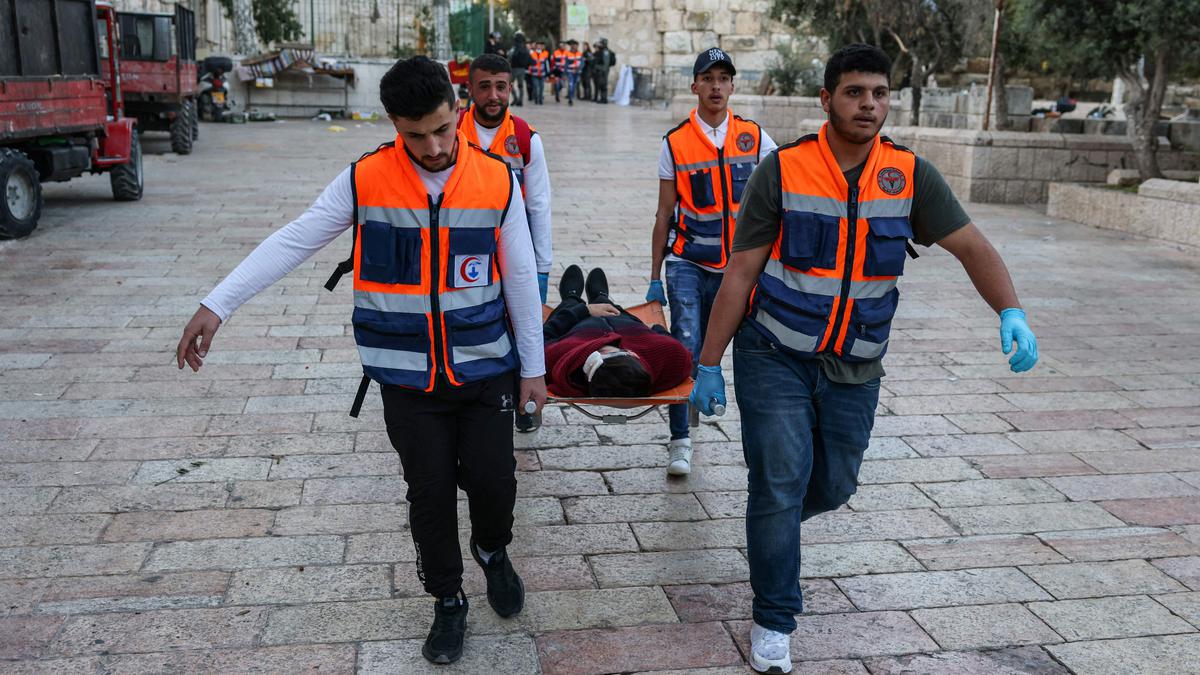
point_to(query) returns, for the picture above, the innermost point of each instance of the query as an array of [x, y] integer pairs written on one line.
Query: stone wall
[[666, 35], [1163, 209]]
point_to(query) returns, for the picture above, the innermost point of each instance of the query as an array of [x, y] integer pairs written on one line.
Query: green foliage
[[1102, 38], [795, 70], [538, 19], [274, 20]]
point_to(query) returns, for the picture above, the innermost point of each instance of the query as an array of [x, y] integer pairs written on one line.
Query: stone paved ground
[[159, 521]]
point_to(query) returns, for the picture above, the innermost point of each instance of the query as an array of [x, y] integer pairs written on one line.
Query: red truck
[[159, 82], [61, 113]]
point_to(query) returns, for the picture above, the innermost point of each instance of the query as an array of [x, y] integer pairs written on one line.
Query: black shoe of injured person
[[571, 285], [445, 641], [597, 286], [505, 590]]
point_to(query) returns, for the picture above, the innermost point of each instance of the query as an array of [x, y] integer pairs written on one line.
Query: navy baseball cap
[[711, 57]]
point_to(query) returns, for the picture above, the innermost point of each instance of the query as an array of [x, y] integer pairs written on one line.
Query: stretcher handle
[[531, 407], [717, 408]]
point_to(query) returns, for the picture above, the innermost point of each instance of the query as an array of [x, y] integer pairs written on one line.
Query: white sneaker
[[680, 451], [770, 651]]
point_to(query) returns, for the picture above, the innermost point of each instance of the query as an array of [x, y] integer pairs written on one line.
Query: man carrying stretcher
[[595, 348]]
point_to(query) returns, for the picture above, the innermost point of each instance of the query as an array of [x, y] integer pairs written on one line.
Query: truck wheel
[[20, 195], [127, 179], [181, 129]]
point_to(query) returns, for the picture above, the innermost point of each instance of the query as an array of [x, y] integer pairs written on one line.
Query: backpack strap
[[524, 137], [346, 266]]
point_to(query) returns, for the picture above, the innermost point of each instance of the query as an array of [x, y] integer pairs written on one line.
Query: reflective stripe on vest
[[539, 63], [427, 287], [708, 185], [504, 143], [830, 282]]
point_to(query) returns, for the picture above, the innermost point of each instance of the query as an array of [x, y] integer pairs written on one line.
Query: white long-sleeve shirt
[[537, 195], [332, 213]]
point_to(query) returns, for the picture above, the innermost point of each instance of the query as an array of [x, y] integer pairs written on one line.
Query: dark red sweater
[[669, 362]]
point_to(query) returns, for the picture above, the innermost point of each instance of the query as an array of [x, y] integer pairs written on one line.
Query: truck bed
[[31, 107]]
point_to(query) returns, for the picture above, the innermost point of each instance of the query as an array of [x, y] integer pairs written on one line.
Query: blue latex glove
[[708, 389], [1013, 328], [543, 285], [656, 292]]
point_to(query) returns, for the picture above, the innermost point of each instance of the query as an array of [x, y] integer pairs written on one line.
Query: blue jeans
[[803, 437], [537, 89], [572, 83], [690, 294]]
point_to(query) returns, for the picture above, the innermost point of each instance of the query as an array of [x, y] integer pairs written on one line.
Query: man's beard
[[449, 162], [850, 132], [491, 119]]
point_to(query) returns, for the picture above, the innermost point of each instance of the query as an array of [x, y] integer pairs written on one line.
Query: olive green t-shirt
[[935, 214]]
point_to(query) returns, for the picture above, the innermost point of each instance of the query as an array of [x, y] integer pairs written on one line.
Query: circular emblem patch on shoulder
[[891, 180], [510, 145], [745, 141]]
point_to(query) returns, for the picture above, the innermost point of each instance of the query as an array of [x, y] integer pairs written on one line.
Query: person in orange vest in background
[[574, 69], [538, 72], [810, 292], [446, 315], [558, 68], [490, 124], [702, 168]]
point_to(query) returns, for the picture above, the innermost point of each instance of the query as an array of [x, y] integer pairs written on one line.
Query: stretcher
[[651, 314]]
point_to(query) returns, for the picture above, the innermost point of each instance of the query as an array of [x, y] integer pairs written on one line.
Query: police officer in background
[[442, 267]]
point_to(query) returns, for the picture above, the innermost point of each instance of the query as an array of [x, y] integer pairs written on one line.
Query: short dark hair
[[415, 87], [856, 58], [620, 377], [489, 63]]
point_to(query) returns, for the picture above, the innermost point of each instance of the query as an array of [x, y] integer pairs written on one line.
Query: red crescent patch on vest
[[745, 141], [891, 180], [511, 146]]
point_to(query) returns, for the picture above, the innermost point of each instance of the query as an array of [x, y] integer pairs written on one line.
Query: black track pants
[[450, 438]]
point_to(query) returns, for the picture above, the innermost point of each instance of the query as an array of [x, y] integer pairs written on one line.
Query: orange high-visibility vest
[[504, 144], [559, 60], [708, 185], [830, 282], [427, 287], [574, 62], [539, 68]]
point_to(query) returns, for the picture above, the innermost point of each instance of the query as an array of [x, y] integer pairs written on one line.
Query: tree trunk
[[1142, 112], [245, 38], [917, 82], [441, 29], [1001, 96]]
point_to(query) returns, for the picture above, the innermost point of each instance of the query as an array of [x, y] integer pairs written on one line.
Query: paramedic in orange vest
[[491, 125], [702, 169], [811, 293], [538, 72], [446, 314], [558, 68]]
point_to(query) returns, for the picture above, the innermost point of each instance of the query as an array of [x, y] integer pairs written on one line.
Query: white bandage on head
[[597, 359], [592, 364]]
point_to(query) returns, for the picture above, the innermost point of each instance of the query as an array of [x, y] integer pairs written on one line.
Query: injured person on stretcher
[[598, 353], [596, 348]]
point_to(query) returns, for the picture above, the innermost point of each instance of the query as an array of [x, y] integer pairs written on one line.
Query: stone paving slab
[[237, 519]]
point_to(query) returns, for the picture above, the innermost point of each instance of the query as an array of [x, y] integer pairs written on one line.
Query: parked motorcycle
[[215, 103]]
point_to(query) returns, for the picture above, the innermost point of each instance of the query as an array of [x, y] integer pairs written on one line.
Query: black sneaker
[[597, 286], [505, 590], [445, 641], [528, 423], [571, 285]]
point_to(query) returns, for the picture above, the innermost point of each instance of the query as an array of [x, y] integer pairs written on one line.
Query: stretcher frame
[[651, 314]]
